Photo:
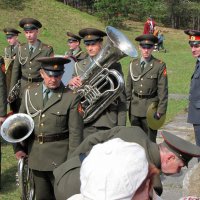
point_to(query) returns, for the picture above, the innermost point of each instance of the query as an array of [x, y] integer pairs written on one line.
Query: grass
[[57, 19]]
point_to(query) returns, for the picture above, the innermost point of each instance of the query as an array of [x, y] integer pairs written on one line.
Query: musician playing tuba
[[9, 56], [115, 113]]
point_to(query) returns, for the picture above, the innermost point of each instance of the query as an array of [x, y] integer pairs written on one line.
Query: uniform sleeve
[[16, 71], [162, 89], [121, 100], [18, 146], [129, 87], [75, 125], [3, 99]]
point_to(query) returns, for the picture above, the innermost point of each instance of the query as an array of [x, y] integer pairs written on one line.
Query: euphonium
[[102, 86]]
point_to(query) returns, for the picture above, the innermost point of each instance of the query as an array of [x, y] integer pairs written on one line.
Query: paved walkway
[[172, 185]]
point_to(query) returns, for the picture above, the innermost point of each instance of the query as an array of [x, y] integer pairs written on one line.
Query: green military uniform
[[26, 67], [77, 53], [145, 87], [3, 101], [9, 56], [115, 113], [67, 180], [58, 127]]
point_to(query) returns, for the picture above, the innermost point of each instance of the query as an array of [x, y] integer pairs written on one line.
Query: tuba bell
[[16, 128], [101, 86]]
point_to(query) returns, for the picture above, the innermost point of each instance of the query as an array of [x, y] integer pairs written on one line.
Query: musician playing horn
[[115, 113], [146, 83], [58, 121], [9, 56]]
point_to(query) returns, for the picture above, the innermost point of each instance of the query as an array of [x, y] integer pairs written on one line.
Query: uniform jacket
[[194, 97], [3, 97], [70, 170], [153, 80], [115, 114], [59, 115], [77, 53], [26, 65]]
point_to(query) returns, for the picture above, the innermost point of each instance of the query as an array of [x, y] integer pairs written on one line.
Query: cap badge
[[146, 41], [55, 66], [26, 25], [89, 36], [192, 38]]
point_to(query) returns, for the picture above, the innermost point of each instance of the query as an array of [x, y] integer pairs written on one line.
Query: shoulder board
[[22, 44], [46, 46], [34, 85], [159, 61]]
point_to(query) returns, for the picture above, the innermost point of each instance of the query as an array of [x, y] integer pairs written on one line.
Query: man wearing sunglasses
[[115, 113], [74, 47], [194, 95], [146, 83]]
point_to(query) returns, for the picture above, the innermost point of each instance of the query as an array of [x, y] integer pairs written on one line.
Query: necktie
[[142, 66], [46, 97], [30, 50]]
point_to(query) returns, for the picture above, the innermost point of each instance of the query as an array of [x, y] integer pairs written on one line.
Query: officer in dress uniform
[[57, 116], [115, 114], [26, 67], [9, 56], [146, 83], [74, 47], [194, 95], [169, 157]]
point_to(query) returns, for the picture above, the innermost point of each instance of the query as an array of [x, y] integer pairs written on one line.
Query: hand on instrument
[[75, 82], [157, 115], [2, 119], [20, 154]]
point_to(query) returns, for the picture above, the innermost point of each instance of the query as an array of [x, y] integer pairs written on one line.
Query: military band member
[[115, 114], [57, 116], [3, 97], [26, 67], [75, 50], [170, 157], [146, 83], [9, 56], [194, 95]]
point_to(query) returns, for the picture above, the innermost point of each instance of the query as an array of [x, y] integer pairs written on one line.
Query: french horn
[[101, 85]]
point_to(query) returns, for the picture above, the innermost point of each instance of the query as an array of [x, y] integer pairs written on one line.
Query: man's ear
[[41, 73], [170, 157]]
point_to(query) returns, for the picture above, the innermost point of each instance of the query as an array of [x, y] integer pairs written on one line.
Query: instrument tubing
[[145, 96]]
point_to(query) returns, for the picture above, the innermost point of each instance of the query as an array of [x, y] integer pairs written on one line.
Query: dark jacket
[[60, 115], [194, 97], [67, 180]]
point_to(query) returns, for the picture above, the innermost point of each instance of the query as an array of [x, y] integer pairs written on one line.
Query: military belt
[[145, 96], [51, 138], [30, 80]]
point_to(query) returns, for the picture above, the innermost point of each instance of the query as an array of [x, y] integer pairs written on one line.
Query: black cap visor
[[54, 73]]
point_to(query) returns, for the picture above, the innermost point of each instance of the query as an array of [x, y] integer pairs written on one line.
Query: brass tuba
[[17, 128], [102, 86]]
